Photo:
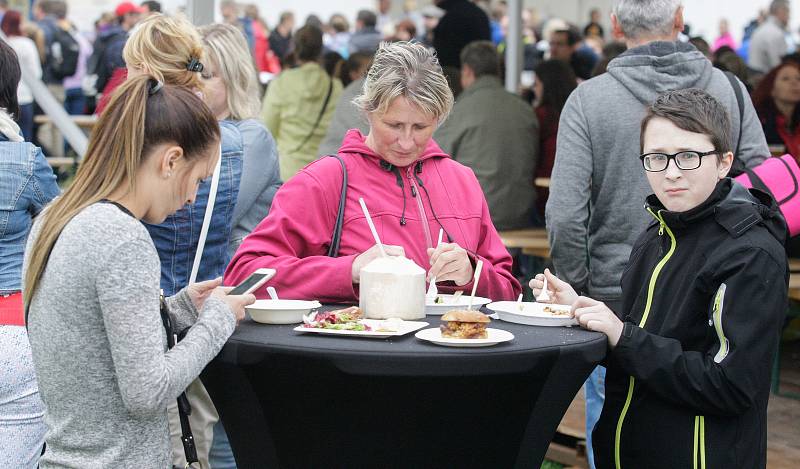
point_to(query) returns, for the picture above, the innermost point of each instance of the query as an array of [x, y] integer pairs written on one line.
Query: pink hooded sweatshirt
[[294, 238]]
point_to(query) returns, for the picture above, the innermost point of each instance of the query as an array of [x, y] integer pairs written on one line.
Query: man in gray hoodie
[[595, 209]]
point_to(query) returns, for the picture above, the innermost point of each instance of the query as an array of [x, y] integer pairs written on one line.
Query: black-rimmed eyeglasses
[[686, 160]]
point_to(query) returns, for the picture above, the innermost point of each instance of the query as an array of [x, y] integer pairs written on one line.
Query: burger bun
[[465, 315]]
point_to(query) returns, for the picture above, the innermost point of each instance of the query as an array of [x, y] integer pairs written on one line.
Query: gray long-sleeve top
[[99, 346]]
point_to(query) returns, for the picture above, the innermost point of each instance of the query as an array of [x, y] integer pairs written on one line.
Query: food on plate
[[341, 319], [558, 311], [389, 325], [439, 300], [464, 324]]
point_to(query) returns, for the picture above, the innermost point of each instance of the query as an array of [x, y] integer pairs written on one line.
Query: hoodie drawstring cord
[[399, 178]]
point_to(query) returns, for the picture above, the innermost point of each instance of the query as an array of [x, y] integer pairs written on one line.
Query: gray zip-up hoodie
[[598, 186]]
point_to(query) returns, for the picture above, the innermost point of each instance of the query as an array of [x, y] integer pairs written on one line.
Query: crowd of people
[[222, 149]]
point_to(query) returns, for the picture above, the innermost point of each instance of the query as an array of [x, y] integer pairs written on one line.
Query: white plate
[[403, 327], [439, 309], [280, 311], [531, 314], [495, 336]]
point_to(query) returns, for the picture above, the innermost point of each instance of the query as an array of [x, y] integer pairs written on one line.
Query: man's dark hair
[[367, 18], [482, 58], [285, 16], [9, 79], [308, 43], [692, 110], [573, 36], [46, 6], [152, 6], [58, 8]]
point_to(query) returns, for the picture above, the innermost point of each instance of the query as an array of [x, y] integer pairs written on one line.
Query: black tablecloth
[[289, 399]]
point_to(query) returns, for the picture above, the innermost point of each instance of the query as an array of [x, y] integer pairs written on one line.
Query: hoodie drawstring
[[399, 179]]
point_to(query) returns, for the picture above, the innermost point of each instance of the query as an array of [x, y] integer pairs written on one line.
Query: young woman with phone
[[171, 49], [91, 284]]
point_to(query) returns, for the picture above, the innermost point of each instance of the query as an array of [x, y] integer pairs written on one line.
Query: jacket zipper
[[415, 194], [699, 441], [650, 290]]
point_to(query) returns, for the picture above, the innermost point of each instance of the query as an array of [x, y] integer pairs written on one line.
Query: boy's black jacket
[[704, 296]]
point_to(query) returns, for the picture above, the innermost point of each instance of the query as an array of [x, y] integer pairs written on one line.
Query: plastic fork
[[544, 297], [432, 289]]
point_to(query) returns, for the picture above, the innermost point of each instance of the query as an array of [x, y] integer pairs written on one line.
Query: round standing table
[[290, 399]]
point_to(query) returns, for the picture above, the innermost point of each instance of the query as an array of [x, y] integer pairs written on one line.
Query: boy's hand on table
[[596, 316]]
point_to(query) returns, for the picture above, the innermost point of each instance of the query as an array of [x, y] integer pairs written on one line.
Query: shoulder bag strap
[[319, 117], [212, 197], [737, 90], [336, 238], [184, 408]]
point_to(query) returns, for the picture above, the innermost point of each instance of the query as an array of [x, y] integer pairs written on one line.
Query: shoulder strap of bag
[[737, 90], [184, 408], [212, 197], [336, 238], [319, 117]]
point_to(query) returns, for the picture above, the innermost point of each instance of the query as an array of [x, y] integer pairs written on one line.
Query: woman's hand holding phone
[[200, 291], [235, 302]]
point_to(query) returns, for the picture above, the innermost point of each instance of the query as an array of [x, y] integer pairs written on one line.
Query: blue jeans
[[26, 121], [74, 104], [595, 391], [221, 454], [74, 101]]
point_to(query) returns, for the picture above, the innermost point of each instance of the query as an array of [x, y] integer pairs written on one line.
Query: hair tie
[[194, 65], [155, 87]]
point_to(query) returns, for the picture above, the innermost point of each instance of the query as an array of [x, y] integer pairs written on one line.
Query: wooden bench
[[84, 121], [794, 286], [60, 161], [532, 241], [794, 265]]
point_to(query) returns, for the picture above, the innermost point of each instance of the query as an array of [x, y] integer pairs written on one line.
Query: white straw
[[371, 226], [475, 279], [441, 232]]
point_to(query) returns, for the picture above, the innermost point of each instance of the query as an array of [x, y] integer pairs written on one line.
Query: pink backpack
[[778, 176]]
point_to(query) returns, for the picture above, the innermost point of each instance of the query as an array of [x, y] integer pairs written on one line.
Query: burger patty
[[464, 330]]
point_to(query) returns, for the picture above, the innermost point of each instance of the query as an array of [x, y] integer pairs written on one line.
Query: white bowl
[[280, 311], [447, 304]]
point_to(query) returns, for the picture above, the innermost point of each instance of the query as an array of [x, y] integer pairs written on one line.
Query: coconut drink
[[392, 287]]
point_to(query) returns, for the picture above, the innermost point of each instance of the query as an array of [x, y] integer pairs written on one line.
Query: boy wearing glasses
[[703, 297]]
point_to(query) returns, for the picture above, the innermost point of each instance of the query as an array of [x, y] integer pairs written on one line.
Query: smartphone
[[251, 283]]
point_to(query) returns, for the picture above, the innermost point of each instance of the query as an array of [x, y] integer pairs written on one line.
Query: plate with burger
[[533, 313], [465, 328]]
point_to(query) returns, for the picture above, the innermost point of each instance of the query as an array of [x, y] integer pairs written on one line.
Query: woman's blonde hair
[[164, 46], [410, 70], [141, 115], [227, 48]]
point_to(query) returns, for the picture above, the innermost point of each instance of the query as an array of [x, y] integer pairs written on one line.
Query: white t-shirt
[[28, 59]]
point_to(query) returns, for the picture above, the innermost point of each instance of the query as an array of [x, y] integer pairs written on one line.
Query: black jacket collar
[[734, 207]]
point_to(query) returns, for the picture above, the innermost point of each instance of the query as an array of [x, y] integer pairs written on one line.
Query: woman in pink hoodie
[[412, 189]]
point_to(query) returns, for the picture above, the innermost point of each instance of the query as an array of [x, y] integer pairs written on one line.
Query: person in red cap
[[106, 66]]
